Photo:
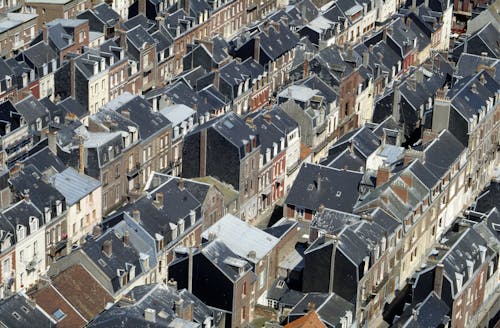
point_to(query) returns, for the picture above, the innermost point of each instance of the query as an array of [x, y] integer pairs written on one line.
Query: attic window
[[59, 315], [496, 226], [25, 309], [280, 283], [101, 262], [338, 194], [16, 315]]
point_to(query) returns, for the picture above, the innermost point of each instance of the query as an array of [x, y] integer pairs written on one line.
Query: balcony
[[132, 172], [31, 266], [17, 44]]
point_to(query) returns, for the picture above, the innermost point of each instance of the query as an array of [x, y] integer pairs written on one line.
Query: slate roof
[[242, 238], [73, 185], [431, 312], [39, 54], [329, 307], [158, 297], [106, 14], [30, 181], [338, 189], [442, 152], [468, 65], [223, 258], [120, 257], [163, 218], [44, 160], [31, 109], [141, 113], [70, 105], [18, 312]]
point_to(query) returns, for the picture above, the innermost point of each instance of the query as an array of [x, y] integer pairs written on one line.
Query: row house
[[7, 259], [23, 79], [228, 17], [31, 313], [65, 36], [183, 120], [230, 140], [184, 308], [88, 81], [141, 48], [8, 87], [44, 61], [155, 132], [236, 81], [15, 133], [47, 10], [120, 77], [119, 258], [315, 112], [216, 270], [460, 272], [344, 75], [274, 129], [18, 32], [101, 155], [172, 215], [83, 196], [313, 188], [272, 45], [432, 190], [29, 184], [407, 109], [10, 6], [210, 53], [257, 247], [362, 266], [102, 19]]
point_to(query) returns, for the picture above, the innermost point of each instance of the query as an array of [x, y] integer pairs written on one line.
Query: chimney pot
[[107, 248]]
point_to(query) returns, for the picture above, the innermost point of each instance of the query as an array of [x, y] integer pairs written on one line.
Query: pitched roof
[[317, 185], [310, 320], [18, 311], [242, 238], [73, 185]]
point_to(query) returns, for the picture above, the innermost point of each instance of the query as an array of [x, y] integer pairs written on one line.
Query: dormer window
[[159, 242], [21, 232], [33, 224]]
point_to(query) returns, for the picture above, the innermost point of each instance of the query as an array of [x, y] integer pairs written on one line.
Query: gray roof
[[242, 238], [73, 185], [19, 312], [337, 189]]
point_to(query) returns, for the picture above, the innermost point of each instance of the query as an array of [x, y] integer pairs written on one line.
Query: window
[[117, 194], [244, 289], [21, 255], [105, 178], [243, 313], [117, 171], [78, 207], [59, 315]]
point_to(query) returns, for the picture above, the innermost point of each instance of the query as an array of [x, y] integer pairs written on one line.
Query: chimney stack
[[180, 184], [438, 279], [136, 215], [383, 175], [107, 248], [216, 78], [158, 202], [318, 181], [96, 231], [126, 238], [256, 49]]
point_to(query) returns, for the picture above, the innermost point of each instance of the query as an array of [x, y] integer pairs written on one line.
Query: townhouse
[[17, 32], [228, 139], [47, 11]]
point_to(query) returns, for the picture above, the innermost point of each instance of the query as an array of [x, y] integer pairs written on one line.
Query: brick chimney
[[126, 238], [256, 48], [408, 179], [180, 184], [383, 175], [136, 215], [216, 78], [401, 191], [158, 202]]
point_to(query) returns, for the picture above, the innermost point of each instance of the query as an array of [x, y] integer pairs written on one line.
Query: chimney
[[441, 113], [180, 184], [256, 49], [216, 78], [126, 113], [267, 118], [158, 202], [401, 191], [52, 141], [45, 33], [321, 208], [366, 58], [179, 303], [187, 7], [459, 280], [190, 270], [96, 231], [413, 4], [310, 306], [482, 252], [172, 284], [318, 181], [419, 74], [107, 248], [81, 166], [438, 279], [276, 26], [126, 238], [27, 196], [136, 215], [470, 268], [383, 175], [150, 315]]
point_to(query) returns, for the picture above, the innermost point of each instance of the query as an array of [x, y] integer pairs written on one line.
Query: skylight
[[59, 315]]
